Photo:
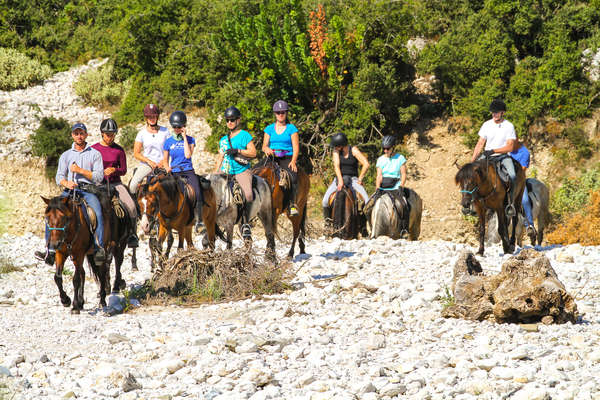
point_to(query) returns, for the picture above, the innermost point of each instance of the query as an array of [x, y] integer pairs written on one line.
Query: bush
[[50, 140], [581, 227], [17, 71], [127, 136], [574, 193], [99, 87]]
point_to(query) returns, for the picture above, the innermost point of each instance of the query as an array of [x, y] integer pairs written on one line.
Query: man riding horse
[[80, 168], [497, 137]]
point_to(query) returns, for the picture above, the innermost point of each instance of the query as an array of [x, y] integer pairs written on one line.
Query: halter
[[473, 191], [63, 229]]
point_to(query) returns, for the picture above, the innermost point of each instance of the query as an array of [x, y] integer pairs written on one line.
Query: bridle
[[67, 222]]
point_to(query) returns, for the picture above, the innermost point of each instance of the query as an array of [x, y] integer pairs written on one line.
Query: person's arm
[[165, 161], [62, 173], [249, 151], [121, 169], [403, 174], [188, 148], [508, 147], [478, 148], [137, 154], [379, 178], [364, 163], [335, 158], [295, 151], [265, 146]]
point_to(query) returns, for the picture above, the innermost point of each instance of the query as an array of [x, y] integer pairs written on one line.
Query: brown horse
[[482, 188], [346, 221], [71, 236], [268, 170]]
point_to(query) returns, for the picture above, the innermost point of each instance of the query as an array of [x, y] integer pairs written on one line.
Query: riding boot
[[293, 206], [510, 210], [133, 241], [198, 214], [246, 233], [327, 216]]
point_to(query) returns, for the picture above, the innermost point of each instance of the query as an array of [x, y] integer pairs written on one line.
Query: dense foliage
[[17, 71], [50, 140], [341, 65]]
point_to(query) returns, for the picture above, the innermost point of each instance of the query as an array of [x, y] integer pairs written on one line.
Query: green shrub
[[574, 193], [139, 94], [100, 88], [17, 71], [127, 136], [50, 140]]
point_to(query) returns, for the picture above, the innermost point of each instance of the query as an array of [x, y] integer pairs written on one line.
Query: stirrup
[[293, 210], [510, 211], [246, 232]]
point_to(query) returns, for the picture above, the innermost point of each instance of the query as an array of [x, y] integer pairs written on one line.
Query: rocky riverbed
[[363, 323]]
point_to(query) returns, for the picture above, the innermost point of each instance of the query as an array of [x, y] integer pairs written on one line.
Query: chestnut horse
[[267, 169], [346, 221], [482, 188]]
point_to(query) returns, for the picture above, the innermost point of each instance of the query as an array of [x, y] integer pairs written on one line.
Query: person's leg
[[94, 203], [192, 179], [325, 203], [140, 173], [245, 181], [526, 202], [510, 169], [284, 163], [125, 197], [360, 190]]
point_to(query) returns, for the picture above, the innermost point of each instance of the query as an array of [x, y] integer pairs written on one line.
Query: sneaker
[[47, 257], [99, 256], [246, 233], [510, 211], [293, 210]]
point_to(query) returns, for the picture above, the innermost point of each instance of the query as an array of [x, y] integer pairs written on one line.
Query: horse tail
[[339, 208]]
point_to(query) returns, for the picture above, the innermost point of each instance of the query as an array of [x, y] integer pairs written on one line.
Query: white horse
[[385, 218]]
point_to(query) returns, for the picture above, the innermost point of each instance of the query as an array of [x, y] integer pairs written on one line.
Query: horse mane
[[56, 203], [470, 171], [170, 186]]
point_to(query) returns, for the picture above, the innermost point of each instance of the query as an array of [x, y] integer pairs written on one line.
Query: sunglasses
[[280, 112], [387, 148], [230, 119]]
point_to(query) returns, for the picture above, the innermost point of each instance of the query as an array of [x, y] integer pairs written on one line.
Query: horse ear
[[46, 200]]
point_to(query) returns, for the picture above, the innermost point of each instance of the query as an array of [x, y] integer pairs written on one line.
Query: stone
[[392, 389], [114, 338]]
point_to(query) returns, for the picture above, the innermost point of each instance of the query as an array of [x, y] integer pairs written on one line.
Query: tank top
[[349, 165]]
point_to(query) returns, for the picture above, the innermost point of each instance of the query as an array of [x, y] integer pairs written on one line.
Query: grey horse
[[540, 200], [386, 221], [228, 213]]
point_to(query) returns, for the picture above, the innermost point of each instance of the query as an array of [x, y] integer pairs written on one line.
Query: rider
[[391, 174], [237, 143], [345, 164], [115, 166], [78, 168], [179, 148], [498, 137], [148, 146], [282, 141], [522, 155]]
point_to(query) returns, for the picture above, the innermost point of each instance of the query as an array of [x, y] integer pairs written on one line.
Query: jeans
[[357, 188], [93, 202], [527, 207]]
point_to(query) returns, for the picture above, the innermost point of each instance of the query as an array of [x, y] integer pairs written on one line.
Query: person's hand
[[152, 164], [488, 153], [70, 185], [109, 171], [75, 168], [231, 152], [340, 186], [268, 151], [359, 181], [292, 166], [168, 169]]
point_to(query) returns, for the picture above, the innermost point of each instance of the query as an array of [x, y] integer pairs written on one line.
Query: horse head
[[148, 204], [469, 178], [58, 217]]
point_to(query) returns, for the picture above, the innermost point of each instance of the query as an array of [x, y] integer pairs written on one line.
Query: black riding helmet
[[388, 141], [497, 105], [339, 139], [108, 126], [232, 112], [178, 119]]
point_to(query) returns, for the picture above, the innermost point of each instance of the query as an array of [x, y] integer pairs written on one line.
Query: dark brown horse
[[267, 169], [71, 236], [346, 221], [482, 188]]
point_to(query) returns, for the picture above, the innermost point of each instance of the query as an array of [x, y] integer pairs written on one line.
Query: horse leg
[[188, 237], [119, 283], [134, 266], [296, 229], [79, 284], [58, 279], [302, 231], [170, 241], [481, 214], [503, 231]]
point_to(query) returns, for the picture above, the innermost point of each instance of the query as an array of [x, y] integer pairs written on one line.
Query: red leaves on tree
[[318, 35]]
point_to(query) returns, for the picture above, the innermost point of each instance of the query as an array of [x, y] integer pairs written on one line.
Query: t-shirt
[[522, 155], [496, 135], [113, 156], [177, 154], [281, 141], [390, 168], [239, 141], [152, 143]]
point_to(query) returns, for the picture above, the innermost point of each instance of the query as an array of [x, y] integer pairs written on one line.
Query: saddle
[[348, 184], [500, 169], [109, 201]]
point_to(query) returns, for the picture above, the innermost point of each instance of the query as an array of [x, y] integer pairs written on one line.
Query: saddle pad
[[285, 180], [91, 217]]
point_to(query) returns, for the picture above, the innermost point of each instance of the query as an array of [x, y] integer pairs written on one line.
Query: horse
[[70, 235], [268, 170], [229, 214], [386, 215], [482, 188], [540, 199], [346, 222]]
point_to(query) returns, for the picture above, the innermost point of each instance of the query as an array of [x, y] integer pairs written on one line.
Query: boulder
[[527, 290]]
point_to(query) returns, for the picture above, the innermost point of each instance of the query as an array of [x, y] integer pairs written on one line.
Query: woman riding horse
[[345, 164], [235, 151]]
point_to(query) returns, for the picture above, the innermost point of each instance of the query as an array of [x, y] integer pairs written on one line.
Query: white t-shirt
[[152, 143], [496, 135]]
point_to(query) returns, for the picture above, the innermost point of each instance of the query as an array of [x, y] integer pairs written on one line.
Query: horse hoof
[[134, 268], [66, 302], [75, 311]]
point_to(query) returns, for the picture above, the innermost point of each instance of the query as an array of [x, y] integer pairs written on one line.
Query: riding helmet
[[151, 110], [178, 119], [280, 105], [388, 141], [497, 105], [232, 112], [339, 139], [108, 126]]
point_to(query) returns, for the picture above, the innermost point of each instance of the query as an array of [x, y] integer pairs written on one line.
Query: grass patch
[[448, 299], [5, 207]]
